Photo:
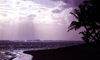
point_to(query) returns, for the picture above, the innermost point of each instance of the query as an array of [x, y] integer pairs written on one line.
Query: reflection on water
[[14, 55], [7, 55], [13, 50], [22, 56]]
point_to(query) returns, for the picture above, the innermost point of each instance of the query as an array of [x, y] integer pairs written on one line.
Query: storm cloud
[[73, 3]]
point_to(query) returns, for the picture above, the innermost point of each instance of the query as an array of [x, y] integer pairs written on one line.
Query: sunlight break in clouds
[[35, 19], [12, 10]]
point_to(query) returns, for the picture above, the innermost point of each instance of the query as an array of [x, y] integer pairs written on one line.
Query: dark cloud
[[61, 8], [73, 3], [57, 11], [65, 6]]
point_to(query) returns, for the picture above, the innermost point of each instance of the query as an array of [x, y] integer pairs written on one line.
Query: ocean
[[13, 50]]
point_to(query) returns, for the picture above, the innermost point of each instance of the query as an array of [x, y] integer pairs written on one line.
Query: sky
[[37, 19]]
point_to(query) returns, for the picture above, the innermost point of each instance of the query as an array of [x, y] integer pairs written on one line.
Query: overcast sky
[[37, 19]]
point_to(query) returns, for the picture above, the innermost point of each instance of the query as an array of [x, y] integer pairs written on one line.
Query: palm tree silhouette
[[87, 17]]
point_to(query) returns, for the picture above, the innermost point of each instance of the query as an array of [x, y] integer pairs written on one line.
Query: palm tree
[[87, 17], [81, 15]]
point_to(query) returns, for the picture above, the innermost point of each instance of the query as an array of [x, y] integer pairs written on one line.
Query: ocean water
[[22, 56], [14, 55], [14, 49]]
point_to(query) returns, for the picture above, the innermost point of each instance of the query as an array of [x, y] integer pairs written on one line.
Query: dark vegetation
[[88, 16]]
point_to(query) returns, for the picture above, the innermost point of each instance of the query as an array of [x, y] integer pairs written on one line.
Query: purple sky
[[37, 19]]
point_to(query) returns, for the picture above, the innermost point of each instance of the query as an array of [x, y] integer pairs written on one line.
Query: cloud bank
[[25, 19]]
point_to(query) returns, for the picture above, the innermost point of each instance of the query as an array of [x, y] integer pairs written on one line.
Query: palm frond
[[74, 25], [74, 15]]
